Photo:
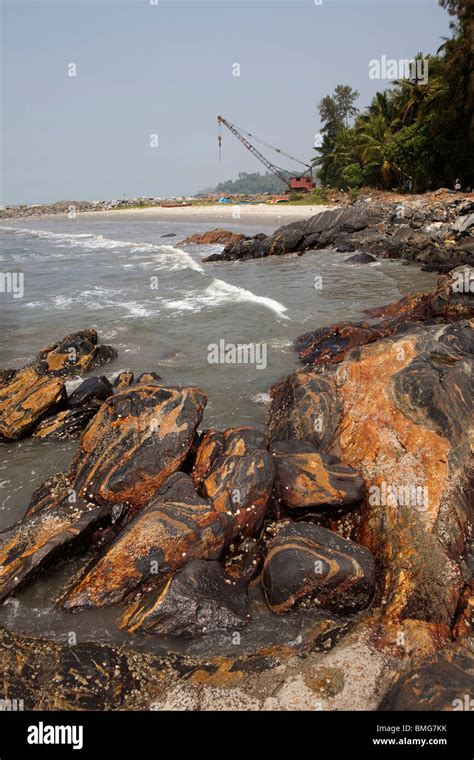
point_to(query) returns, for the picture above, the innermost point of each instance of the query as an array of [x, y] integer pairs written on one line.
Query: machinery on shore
[[300, 182]]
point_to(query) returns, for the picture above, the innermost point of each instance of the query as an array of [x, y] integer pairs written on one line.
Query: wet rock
[[169, 234], [243, 440], [44, 534], [149, 378], [360, 258], [308, 478], [198, 599], [92, 389], [67, 424], [442, 681], [74, 355], [123, 380], [55, 489], [138, 438], [449, 302], [398, 411], [175, 527], [210, 446], [214, 237], [247, 562], [307, 564], [241, 486], [26, 399]]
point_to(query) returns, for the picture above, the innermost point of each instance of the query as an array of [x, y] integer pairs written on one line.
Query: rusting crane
[[303, 181]]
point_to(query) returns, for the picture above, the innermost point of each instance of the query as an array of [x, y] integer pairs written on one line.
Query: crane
[[302, 182]]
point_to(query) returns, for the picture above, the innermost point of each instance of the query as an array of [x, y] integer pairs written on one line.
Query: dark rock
[[92, 389], [123, 380], [149, 378], [210, 446], [169, 234], [247, 562], [43, 535], [66, 424], [360, 258], [55, 489], [26, 399], [307, 478], [74, 355], [214, 237], [198, 599], [138, 438], [307, 564], [175, 527], [442, 681]]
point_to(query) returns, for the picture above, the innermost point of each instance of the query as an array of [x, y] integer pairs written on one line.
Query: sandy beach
[[219, 214]]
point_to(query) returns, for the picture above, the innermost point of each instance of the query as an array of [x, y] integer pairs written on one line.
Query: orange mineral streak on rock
[[379, 439], [25, 399]]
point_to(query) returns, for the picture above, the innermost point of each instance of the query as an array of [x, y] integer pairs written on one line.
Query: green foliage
[[251, 184], [414, 136]]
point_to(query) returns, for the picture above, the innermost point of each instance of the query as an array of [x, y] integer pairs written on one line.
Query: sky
[[160, 71]]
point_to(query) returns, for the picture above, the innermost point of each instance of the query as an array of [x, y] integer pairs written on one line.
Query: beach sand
[[219, 214]]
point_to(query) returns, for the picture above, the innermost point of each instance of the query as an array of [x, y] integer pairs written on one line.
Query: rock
[[123, 380], [310, 565], [74, 355], [247, 563], [214, 237], [175, 527], [169, 234], [442, 681], [210, 446], [26, 399], [55, 489], [240, 486], [398, 411], [307, 478], [138, 438], [449, 302], [198, 599], [149, 378], [66, 424], [92, 389], [44, 534], [360, 258], [243, 440]]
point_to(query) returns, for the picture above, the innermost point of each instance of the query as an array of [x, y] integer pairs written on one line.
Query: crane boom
[[302, 182]]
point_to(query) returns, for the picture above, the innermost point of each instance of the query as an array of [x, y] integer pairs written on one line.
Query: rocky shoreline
[[352, 513], [437, 232]]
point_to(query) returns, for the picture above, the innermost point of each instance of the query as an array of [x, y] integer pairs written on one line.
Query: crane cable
[[272, 147]]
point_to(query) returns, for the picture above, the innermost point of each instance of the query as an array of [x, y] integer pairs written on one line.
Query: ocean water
[[161, 307]]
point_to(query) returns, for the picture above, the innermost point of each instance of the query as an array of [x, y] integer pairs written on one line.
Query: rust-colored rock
[[123, 380], [48, 530], [74, 355], [66, 424], [308, 478], [214, 237], [210, 446], [138, 438], [399, 411], [174, 528], [50, 492], [26, 400], [240, 483]]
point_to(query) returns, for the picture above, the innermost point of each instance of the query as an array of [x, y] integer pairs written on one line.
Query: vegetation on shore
[[416, 135]]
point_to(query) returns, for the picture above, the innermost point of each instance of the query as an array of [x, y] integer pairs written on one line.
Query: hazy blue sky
[[167, 69]]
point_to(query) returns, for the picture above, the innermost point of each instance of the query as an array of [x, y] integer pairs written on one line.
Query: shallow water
[[103, 273]]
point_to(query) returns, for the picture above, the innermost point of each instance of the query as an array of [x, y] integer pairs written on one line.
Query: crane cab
[[301, 183]]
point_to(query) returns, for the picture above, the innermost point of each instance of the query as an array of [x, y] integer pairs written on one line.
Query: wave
[[220, 293]]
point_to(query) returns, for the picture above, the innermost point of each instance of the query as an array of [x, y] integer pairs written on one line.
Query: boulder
[[240, 485], [441, 681], [149, 378], [198, 599], [398, 411], [214, 237], [312, 566], [50, 492], [210, 446], [175, 527], [360, 258], [123, 380], [26, 399], [308, 478], [74, 355], [93, 389], [49, 529], [66, 424], [138, 438]]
